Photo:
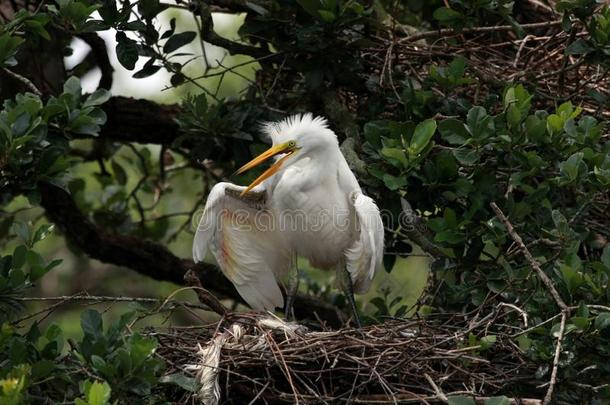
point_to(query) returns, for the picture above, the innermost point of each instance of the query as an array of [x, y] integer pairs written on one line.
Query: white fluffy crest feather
[[294, 126]]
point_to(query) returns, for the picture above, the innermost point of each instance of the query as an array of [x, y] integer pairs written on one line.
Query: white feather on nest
[[207, 370]]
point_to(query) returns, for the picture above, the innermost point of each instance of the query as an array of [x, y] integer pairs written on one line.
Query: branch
[[141, 121], [205, 297], [24, 80], [565, 310], [530, 259], [477, 30], [149, 258], [412, 230], [209, 35], [100, 53]]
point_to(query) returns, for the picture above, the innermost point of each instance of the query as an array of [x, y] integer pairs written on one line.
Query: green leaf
[[22, 230], [36, 264], [453, 131], [602, 321], [146, 71], [98, 393], [141, 348], [150, 8], [8, 48], [181, 380], [497, 401], [460, 400], [119, 172], [466, 156], [311, 6], [42, 232], [479, 123], [579, 47], [373, 131], [396, 156], [177, 79], [170, 31], [91, 323], [571, 168], [72, 86], [327, 16], [178, 40], [554, 124], [16, 278], [447, 15], [513, 116], [393, 182], [572, 278], [42, 369], [98, 97], [487, 342], [19, 256], [126, 51], [424, 131], [535, 128]]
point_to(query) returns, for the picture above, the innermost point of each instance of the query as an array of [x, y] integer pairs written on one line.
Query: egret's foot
[[289, 309], [348, 290], [352, 304]]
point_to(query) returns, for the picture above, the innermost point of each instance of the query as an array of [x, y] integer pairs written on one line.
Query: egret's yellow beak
[[288, 148]]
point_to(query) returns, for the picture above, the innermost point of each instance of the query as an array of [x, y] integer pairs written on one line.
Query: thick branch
[[149, 258], [100, 53], [209, 35], [142, 121]]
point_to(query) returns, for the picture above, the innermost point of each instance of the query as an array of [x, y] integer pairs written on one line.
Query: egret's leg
[[291, 291], [345, 280]]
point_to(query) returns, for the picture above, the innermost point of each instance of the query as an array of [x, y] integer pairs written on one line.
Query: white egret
[[308, 204]]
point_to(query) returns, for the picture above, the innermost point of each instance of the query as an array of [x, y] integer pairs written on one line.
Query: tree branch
[[149, 258], [209, 35], [142, 121], [100, 53]]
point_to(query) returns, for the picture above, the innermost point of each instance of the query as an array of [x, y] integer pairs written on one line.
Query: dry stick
[[205, 297], [565, 310], [27, 82], [439, 394], [450, 31]]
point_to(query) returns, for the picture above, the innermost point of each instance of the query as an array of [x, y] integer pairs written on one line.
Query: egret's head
[[293, 138]]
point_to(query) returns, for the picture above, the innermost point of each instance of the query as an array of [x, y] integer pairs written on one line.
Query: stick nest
[[262, 359]]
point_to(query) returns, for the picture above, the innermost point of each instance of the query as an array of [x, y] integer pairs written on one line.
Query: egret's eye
[[292, 144]]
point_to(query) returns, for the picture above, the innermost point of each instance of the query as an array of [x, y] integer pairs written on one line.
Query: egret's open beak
[[288, 148]]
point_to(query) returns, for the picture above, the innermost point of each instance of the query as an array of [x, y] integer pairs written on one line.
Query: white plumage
[[308, 204]]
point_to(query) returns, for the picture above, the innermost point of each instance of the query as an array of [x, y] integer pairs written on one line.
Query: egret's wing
[[240, 234], [365, 256]]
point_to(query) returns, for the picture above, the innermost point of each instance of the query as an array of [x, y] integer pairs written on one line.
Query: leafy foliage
[[34, 136]]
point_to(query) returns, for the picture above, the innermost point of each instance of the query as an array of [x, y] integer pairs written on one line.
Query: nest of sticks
[[250, 358], [496, 56]]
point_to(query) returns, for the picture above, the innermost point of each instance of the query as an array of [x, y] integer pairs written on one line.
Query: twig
[[451, 31], [205, 297], [528, 256], [28, 83], [562, 326], [439, 394], [565, 310]]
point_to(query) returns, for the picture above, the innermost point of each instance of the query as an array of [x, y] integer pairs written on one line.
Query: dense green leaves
[[27, 125]]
